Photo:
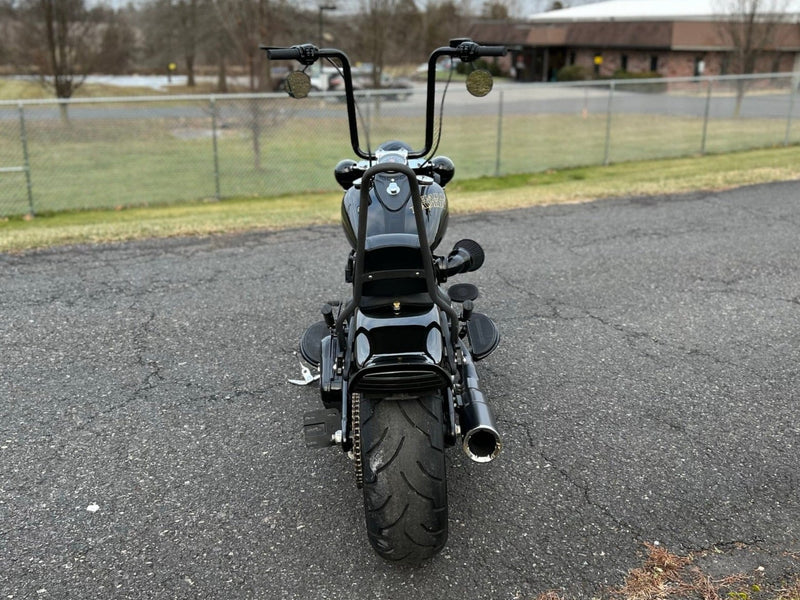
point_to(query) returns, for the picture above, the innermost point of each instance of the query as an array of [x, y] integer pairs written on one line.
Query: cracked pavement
[[646, 388]]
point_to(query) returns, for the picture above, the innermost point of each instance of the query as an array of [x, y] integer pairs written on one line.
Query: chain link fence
[[83, 154]]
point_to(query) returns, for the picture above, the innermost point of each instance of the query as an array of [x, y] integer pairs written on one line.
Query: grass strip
[[644, 178]]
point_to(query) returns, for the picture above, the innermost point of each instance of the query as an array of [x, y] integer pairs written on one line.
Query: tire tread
[[405, 497]]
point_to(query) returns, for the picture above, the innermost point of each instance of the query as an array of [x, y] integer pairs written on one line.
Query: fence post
[[607, 150], [791, 110], [213, 106], [25, 157], [499, 135], [705, 118]]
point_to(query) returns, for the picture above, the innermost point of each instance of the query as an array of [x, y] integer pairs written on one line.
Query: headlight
[[362, 349], [434, 344]]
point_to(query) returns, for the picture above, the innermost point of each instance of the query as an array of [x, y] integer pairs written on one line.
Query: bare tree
[[187, 20], [495, 11], [247, 24], [6, 17], [407, 34], [749, 27], [221, 48], [444, 19], [179, 29], [500, 10], [70, 35], [160, 40], [375, 33], [250, 23], [117, 45]]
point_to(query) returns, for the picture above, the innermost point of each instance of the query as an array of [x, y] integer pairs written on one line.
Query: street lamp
[[322, 9]]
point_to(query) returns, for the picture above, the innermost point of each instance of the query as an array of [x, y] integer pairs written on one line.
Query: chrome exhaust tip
[[482, 444], [480, 440]]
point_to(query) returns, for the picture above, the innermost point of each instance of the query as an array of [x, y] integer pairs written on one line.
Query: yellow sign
[[172, 66], [598, 60]]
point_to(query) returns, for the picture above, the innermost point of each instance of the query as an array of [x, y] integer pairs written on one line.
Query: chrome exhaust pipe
[[480, 440]]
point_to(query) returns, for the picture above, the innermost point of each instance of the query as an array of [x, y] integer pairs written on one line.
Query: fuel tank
[[391, 209]]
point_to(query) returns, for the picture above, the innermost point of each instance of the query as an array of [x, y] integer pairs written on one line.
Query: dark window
[[654, 63], [572, 58], [623, 61], [699, 66]]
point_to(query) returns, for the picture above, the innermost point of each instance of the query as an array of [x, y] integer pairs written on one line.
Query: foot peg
[[483, 335], [462, 292], [320, 427]]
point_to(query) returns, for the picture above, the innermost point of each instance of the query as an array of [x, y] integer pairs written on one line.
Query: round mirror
[[298, 84], [479, 83]]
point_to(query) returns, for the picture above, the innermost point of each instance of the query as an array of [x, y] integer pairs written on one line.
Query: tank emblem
[[437, 200]]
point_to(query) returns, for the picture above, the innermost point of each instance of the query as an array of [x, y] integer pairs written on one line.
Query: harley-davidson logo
[[436, 200]]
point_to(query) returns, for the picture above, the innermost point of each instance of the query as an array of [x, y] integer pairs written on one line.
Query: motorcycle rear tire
[[405, 484]]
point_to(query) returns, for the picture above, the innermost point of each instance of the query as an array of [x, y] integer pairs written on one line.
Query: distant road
[[517, 99]]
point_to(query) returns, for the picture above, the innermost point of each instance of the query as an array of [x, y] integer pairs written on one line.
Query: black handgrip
[[283, 53], [492, 51], [306, 54], [467, 51]]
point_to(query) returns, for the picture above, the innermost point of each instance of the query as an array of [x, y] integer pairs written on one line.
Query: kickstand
[[308, 377]]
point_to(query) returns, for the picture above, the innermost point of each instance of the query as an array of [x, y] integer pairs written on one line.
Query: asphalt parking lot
[[646, 388]]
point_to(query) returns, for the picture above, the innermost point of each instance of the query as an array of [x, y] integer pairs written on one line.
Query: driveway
[[646, 387]]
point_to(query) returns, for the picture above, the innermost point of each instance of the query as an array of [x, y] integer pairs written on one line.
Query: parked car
[[401, 88], [444, 64], [320, 81], [332, 81]]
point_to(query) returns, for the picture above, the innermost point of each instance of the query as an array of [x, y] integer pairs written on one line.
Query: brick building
[[673, 38]]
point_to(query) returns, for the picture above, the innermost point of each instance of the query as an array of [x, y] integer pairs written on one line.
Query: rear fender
[[399, 353], [382, 339]]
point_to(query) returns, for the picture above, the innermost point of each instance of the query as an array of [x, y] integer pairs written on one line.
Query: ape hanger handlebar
[[463, 49]]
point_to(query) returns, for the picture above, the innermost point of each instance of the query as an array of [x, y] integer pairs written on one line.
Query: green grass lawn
[[204, 217], [123, 160]]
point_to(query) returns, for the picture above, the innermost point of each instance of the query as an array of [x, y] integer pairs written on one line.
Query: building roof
[[655, 10]]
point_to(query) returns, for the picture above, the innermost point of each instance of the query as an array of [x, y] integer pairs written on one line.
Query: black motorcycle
[[397, 361]]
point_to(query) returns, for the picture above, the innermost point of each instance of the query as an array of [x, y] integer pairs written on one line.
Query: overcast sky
[[529, 7]]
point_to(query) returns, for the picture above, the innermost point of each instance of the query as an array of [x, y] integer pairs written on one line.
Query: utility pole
[[322, 9]]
